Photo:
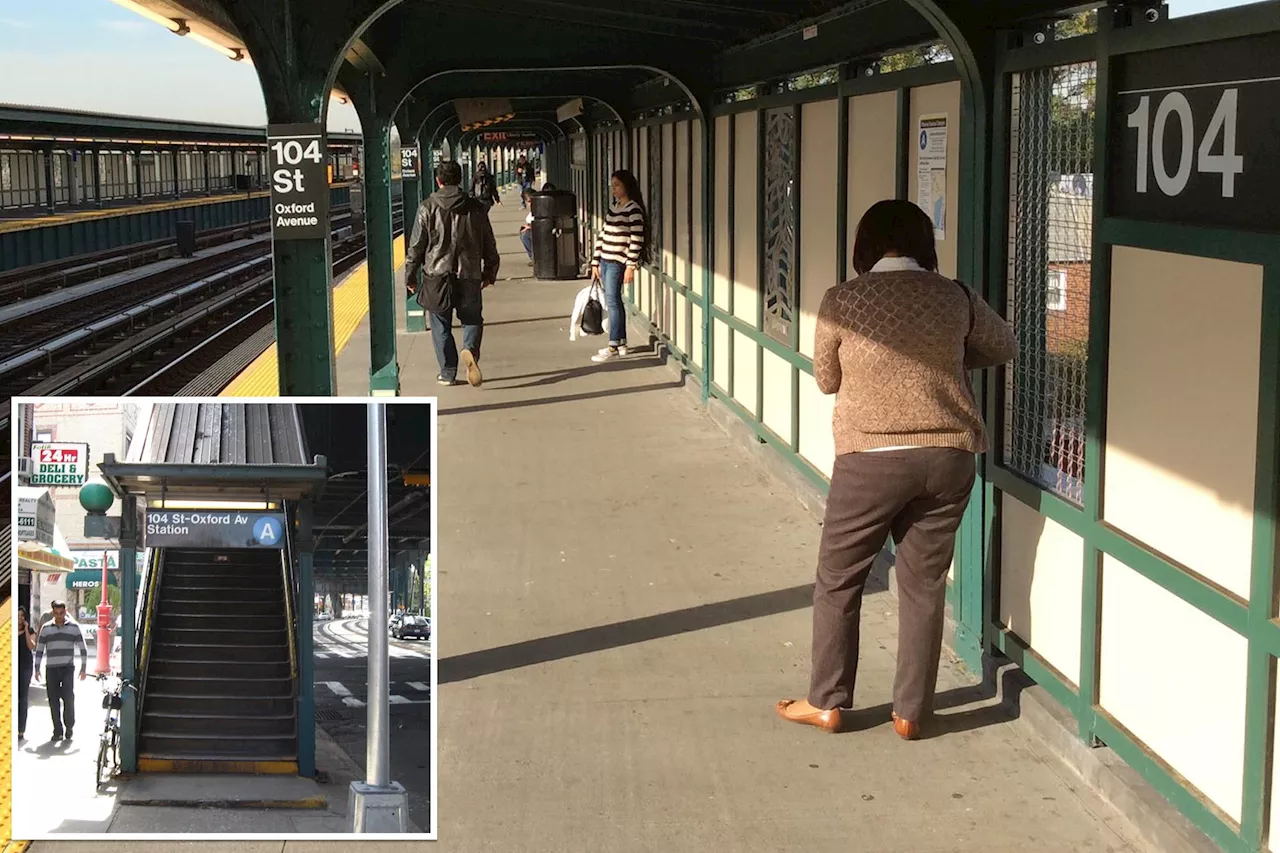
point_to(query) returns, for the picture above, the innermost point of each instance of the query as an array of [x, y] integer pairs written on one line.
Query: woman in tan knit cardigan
[[895, 345]]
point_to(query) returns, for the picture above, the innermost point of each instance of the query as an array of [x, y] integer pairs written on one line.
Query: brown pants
[[918, 496]]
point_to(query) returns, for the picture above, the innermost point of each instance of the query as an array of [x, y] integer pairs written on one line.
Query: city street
[[54, 789], [342, 693]]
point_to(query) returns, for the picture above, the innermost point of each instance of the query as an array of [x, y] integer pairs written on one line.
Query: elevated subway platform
[[627, 665]]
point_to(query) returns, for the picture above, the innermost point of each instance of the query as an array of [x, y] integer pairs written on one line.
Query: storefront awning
[[34, 557]]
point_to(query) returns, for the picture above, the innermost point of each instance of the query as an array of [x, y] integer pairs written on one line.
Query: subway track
[[186, 330], [39, 279]]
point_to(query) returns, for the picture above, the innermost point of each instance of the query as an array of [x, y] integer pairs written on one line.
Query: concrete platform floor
[[623, 596]]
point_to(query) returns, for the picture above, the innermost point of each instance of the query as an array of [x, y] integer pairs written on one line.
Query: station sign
[[299, 182], [1193, 132], [203, 528], [409, 161], [59, 464]]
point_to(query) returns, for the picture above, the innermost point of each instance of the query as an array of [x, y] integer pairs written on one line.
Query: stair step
[[224, 653], [178, 582], [222, 636], [220, 687], [204, 607], [195, 621], [161, 667], [218, 746], [176, 704], [226, 725], [223, 595]]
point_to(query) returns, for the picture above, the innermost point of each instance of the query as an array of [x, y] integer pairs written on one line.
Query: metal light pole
[[378, 805], [104, 625]]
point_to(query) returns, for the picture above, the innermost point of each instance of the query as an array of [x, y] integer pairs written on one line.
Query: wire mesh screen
[[653, 204], [779, 222], [1050, 264]]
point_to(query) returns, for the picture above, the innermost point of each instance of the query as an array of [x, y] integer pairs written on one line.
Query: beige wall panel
[[696, 354], [817, 444], [777, 395], [1176, 679], [681, 322], [721, 366], [926, 100], [671, 214], [699, 213], [1182, 408], [819, 138], [721, 235], [745, 371], [746, 304], [1041, 582], [873, 157], [681, 258]]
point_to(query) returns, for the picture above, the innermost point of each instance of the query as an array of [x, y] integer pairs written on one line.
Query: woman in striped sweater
[[622, 246]]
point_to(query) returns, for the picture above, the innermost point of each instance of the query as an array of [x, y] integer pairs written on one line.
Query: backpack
[[592, 322]]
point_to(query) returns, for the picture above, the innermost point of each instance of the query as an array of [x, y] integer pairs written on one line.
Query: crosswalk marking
[[352, 702], [337, 688], [399, 700], [418, 685]]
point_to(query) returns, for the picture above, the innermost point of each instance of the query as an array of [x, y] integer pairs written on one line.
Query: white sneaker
[[621, 349], [604, 355]]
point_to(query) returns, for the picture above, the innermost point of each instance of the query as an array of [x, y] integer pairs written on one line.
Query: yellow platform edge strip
[[350, 305], [6, 722]]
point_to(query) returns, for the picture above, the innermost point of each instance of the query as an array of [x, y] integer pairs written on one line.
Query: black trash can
[[186, 238], [555, 235]]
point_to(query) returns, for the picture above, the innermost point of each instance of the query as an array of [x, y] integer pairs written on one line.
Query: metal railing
[[153, 560], [291, 621]]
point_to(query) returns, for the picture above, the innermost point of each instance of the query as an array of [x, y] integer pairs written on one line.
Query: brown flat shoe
[[906, 729], [828, 721]]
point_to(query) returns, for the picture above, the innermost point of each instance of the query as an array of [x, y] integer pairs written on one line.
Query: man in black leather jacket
[[484, 188], [454, 248]]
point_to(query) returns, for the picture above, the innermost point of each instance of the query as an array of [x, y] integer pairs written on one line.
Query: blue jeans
[[471, 316], [526, 237], [611, 273], [524, 185]]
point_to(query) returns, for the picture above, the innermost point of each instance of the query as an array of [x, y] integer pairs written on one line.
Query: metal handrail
[[155, 567], [286, 571]]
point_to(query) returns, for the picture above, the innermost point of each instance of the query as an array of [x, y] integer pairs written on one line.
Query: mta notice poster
[[931, 171]]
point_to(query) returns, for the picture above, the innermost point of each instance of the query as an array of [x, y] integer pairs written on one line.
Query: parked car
[[324, 616], [417, 627], [393, 623]]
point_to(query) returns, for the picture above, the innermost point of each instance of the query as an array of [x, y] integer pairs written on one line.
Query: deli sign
[[59, 464]]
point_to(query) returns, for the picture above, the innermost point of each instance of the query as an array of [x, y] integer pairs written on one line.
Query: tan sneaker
[[474, 377]]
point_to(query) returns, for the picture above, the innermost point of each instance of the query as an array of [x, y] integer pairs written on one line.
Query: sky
[[95, 55]]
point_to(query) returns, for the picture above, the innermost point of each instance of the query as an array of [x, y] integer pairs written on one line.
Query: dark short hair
[[449, 173], [56, 604], [528, 192], [898, 226]]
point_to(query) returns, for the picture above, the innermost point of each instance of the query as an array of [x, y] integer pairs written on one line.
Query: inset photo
[[223, 615]]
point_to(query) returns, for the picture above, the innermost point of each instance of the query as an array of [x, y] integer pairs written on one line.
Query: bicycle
[[109, 740]]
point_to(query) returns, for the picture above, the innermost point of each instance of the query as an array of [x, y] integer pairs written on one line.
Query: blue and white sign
[[214, 529], [267, 531], [931, 171]]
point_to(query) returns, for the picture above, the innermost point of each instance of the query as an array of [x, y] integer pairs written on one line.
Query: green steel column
[[384, 372], [306, 653], [304, 317], [128, 630]]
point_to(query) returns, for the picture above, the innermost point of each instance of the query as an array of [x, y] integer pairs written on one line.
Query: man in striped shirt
[[59, 639]]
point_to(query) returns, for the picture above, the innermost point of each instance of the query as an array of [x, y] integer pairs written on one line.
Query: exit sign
[[59, 464]]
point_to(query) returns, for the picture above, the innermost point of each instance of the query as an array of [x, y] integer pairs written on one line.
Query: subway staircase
[[219, 692]]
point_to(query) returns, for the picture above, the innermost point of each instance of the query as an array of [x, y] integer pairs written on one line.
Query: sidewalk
[[624, 595], [54, 790]]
